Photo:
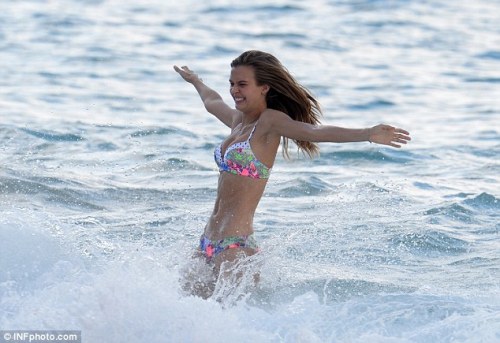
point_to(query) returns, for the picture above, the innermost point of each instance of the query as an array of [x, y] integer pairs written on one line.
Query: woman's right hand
[[187, 74]]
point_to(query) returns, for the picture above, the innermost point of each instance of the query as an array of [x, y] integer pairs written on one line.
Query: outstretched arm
[[211, 99], [389, 135], [283, 125]]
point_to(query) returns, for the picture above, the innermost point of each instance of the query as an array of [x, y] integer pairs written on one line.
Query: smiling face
[[248, 96]]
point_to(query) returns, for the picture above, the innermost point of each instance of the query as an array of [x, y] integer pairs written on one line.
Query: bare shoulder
[[270, 117], [268, 121], [273, 113], [277, 121], [281, 124]]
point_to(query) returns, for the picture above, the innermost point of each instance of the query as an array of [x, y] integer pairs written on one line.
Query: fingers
[[182, 69], [402, 137], [398, 130], [179, 70], [399, 141], [390, 135], [187, 74]]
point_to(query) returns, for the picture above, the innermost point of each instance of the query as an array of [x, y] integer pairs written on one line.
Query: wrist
[[198, 84], [368, 133], [197, 81]]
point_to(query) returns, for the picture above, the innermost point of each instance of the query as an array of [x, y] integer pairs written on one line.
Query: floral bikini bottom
[[210, 249]]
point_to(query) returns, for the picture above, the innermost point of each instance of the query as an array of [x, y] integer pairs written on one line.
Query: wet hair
[[285, 93]]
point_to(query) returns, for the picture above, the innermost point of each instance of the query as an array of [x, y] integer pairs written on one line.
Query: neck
[[247, 121], [251, 117]]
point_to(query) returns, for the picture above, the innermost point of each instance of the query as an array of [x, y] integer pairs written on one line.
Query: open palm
[[389, 135]]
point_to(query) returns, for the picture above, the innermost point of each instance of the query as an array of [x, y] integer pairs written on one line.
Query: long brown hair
[[285, 93]]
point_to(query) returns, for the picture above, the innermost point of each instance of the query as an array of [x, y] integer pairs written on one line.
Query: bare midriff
[[237, 200]]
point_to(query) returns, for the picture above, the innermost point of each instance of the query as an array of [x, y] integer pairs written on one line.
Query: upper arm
[[222, 111], [281, 124]]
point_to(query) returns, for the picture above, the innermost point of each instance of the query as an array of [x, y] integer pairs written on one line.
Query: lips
[[238, 101]]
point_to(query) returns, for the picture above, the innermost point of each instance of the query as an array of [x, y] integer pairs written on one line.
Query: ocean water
[[107, 176]]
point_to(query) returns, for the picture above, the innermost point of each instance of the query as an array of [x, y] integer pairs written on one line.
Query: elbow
[[208, 105], [318, 134]]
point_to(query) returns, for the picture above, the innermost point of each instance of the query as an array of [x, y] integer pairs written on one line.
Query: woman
[[270, 107]]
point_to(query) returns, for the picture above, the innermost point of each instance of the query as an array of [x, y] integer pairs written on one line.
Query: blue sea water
[[107, 176]]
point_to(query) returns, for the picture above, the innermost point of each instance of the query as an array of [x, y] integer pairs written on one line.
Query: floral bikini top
[[240, 160]]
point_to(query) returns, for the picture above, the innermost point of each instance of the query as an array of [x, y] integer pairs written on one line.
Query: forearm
[[380, 134], [335, 134], [206, 93]]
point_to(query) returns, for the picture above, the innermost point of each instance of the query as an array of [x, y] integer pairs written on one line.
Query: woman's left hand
[[389, 135]]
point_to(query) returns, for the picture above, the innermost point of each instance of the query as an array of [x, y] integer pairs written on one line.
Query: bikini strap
[[251, 133]]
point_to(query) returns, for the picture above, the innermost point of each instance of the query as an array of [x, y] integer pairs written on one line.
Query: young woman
[[270, 107]]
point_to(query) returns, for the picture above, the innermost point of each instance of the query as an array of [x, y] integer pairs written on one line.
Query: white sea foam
[[134, 295]]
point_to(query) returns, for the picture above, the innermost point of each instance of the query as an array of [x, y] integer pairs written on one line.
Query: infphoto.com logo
[[39, 336]]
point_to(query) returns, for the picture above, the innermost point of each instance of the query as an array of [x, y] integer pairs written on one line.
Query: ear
[[265, 89]]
